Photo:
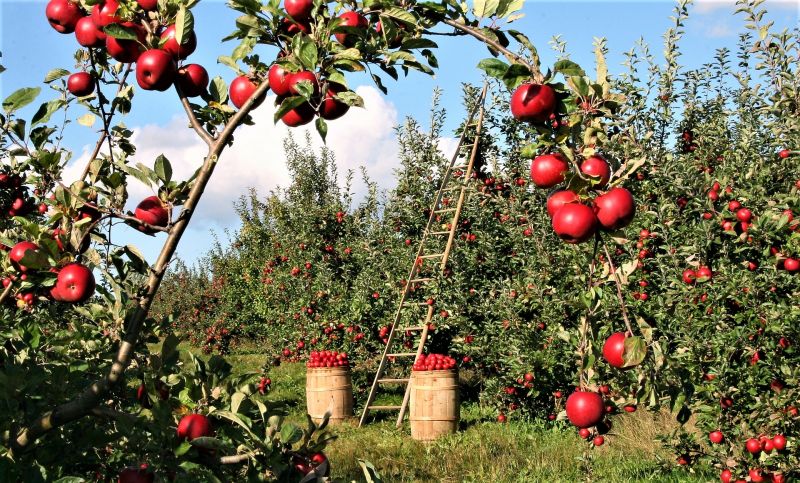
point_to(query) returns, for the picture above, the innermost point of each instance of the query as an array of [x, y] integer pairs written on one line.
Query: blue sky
[[30, 48]]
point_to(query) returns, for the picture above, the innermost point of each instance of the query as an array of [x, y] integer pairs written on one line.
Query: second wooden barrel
[[329, 389], [434, 404]]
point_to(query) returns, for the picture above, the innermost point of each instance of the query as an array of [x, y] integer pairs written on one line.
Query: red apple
[[791, 265], [353, 20], [704, 273], [80, 84], [779, 442], [279, 80], [303, 75], [88, 34], [132, 474], [597, 168], [744, 215], [75, 284], [548, 170], [63, 15], [614, 349], [726, 476], [300, 115], [716, 437], [105, 13], [18, 252], [560, 198], [241, 89], [298, 9], [585, 408], [598, 440], [126, 51], [575, 223], [170, 45], [192, 79], [152, 211], [193, 426], [615, 209], [155, 70], [292, 28], [148, 5], [332, 108], [753, 446], [533, 102]]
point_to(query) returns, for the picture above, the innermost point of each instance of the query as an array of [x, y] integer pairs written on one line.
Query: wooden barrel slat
[[329, 388], [434, 405]]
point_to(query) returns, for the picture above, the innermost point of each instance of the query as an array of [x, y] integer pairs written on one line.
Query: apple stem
[[619, 290]]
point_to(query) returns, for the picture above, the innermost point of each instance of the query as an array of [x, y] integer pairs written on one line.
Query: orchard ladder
[[440, 207]]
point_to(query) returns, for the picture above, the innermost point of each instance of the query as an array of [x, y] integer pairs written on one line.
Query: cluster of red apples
[[434, 362], [573, 220], [156, 53], [754, 446], [319, 359]]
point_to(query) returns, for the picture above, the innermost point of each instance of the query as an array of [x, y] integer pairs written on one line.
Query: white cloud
[[363, 137], [718, 30], [706, 6]]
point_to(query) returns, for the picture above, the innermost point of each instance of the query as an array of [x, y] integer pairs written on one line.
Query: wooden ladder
[[439, 208]]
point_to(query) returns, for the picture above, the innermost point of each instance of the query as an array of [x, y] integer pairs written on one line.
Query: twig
[[5, 293], [104, 134], [619, 290], [209, 140], [537, 74]]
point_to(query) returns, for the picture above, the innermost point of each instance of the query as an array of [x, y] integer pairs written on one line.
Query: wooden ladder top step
[[402, 354], [445, 210], [383, 408], [414, 328], [419, 280], [436, 255], [439, 232]]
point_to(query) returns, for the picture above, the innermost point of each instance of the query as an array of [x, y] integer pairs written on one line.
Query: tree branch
[[619, 290], [97, 391], [5, 293], [536, 73], [209, 140]]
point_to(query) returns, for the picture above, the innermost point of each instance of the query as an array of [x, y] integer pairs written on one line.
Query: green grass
[[484, 451]]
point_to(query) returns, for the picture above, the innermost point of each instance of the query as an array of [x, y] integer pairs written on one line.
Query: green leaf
[[55, 74], [184, 24], [46, 111], [322, 128], [287, 105], [163, 169], [568, 68], [485, 8], [119, 32], [87, 119], [634, 352], [418, 43], [218, 90], [402, 16], [493, 67], [291, 434], [350, 98], [20, 98], [307, 53], [236, 401]]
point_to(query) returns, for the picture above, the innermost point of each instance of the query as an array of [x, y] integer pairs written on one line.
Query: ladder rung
[[415, 304], [460, 166], [439, 232], [414, 328], [393, 381], [402, 354], [437, 255], [384, 408], [445, 210], [420, 280]]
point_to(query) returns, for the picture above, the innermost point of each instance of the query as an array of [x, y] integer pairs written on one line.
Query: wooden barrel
[[329, 389], [434, 405]]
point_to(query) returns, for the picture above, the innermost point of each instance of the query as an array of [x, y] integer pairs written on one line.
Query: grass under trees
[[484, 450]]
